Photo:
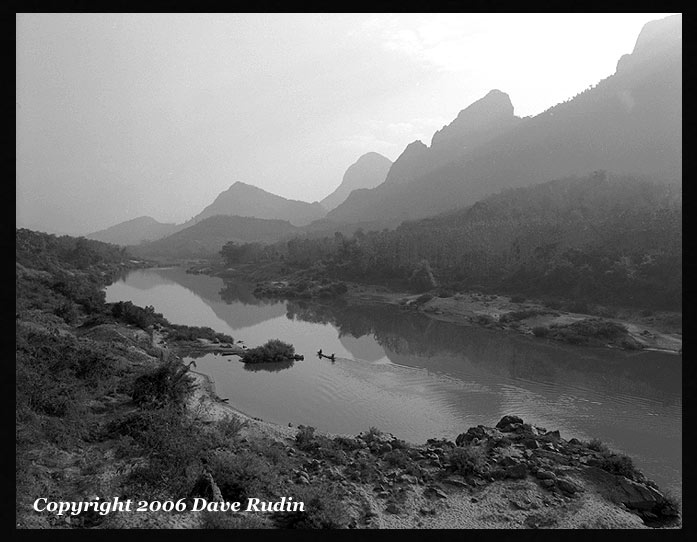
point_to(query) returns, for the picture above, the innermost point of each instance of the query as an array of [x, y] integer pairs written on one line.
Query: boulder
[[509, 423], [567, 486]]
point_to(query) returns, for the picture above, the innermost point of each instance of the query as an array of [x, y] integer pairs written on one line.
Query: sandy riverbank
[[661, 331]]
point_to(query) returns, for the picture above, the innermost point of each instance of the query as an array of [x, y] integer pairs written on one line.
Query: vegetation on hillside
[[616, 240]]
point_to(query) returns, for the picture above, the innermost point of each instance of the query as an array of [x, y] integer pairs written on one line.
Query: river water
[[419, 378]]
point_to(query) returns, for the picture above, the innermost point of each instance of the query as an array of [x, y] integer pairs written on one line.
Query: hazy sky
[[124, 115]]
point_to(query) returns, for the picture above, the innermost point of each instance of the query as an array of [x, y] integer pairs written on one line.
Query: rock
[[432, 491], [545, 475], [471, 434], [384, 448], [554, 435], [549, 484], [507, 423], [474, 499], [456, 482], [567, 486], [426, 511], [516, 472], [392, 508], [408, 478]]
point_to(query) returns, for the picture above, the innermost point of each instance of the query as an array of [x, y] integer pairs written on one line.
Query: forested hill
[[599, 238], [47, 252]]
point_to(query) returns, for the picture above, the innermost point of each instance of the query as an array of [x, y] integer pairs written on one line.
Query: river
[[419, 378]]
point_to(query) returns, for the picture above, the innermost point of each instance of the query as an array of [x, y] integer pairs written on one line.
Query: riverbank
[[513, 475], [660, 331]]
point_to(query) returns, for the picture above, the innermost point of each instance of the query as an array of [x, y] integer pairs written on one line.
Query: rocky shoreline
[[511, 475]]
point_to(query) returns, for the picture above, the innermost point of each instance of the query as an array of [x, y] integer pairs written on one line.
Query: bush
[[138, 316], [242, 475], [598, 446], [273, 351], [619, 464], [305, 436], [174, 445], [324, 509], [191, 333], [466, 460], [167, 385]]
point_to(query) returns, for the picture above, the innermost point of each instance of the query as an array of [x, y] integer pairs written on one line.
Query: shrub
[[174, 445], [242, 475], [273, 351], [598, 446], [168, 384], [304, 438], [619, 464], [540, 331], [324, 509], [191, 333], [230, 427], [138, 316], [466, 460]]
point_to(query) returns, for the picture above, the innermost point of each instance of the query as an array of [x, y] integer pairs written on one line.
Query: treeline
[[600, 238]]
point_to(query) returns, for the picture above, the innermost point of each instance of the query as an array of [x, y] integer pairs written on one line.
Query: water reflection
[[275, 367], [419, 378]]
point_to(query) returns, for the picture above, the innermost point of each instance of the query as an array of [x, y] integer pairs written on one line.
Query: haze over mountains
[[206, 237], [368, 171], [627, 124], [133, 232]]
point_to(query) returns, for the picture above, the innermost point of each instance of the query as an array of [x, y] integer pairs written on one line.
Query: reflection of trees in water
[[242, 293], [403, 333], [270, 367]]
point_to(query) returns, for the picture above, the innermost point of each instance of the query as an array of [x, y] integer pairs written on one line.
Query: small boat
[[321, 355]]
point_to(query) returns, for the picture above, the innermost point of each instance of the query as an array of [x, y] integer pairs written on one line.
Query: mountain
[[629, 123], [474, 126], [245, 200], [368, 171], [133, 232], [206, 237]]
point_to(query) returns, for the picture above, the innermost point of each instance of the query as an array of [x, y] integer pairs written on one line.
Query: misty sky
[[124, 115]]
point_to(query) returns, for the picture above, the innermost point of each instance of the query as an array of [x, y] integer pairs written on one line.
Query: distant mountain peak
[[368, 171], [656, 38], [486, 114], [247, 200]]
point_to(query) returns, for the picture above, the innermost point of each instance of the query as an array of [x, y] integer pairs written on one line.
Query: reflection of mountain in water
[[364, 348], [408, 338], [211, 289]]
